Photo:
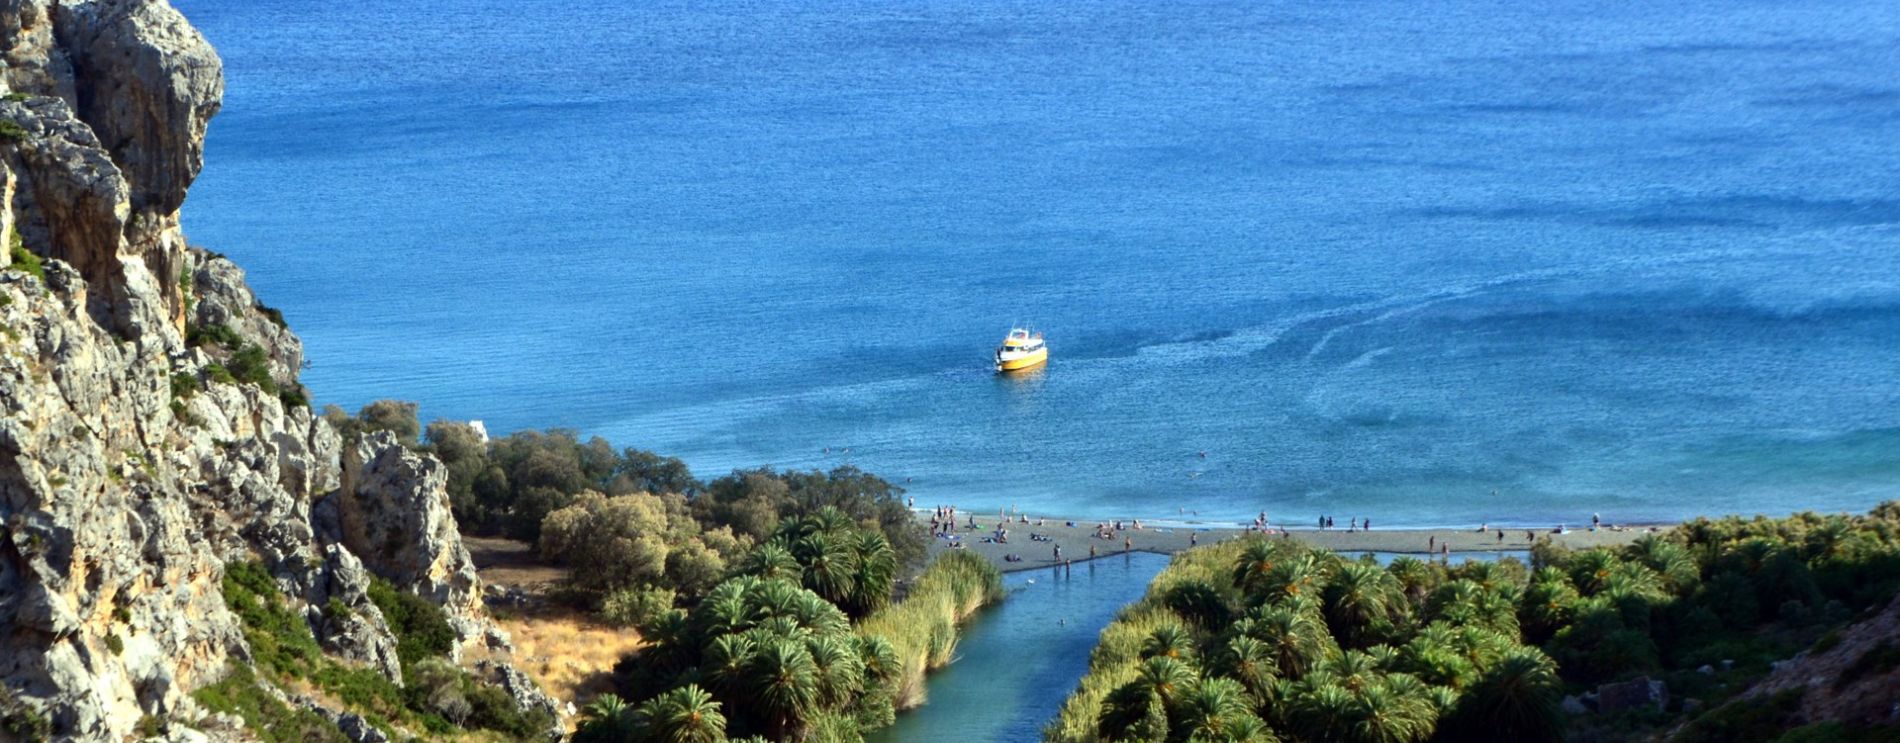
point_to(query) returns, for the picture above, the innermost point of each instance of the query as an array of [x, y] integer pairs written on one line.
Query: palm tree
[[1384, 657], [877, 570], [1164, 678], [725, 610], [830, 565], [1256, 560], [726, 665], [1361, 600], [818, 615], [1548, 604], [1250, 662], [1207, 709], [1415, 577], [1433, 656], [1295, 640], [606, 719], [773, 561], [1515, 700], [684, 715], [840, 675], [1379, 715], [1462, 602], [878, 658], [1241, 729], [1199, 602], [1590, 569], [1321, 713], [1297, 577], [1168, 641], [784, 686], [1679, 571], [1352, 670], [773, 598], [1138, 710]]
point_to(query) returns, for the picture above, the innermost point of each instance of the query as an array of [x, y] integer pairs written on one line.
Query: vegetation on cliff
[[438, 698], [1262, 640]]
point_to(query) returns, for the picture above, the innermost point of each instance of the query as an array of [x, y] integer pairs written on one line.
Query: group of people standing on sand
[[1354, 524]]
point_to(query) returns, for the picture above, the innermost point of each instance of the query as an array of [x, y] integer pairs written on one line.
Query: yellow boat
[[1021, 350]]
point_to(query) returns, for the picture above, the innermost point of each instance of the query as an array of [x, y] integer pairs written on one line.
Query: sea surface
[[1439, 263]]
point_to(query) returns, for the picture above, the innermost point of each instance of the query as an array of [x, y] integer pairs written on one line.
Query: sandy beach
[[1170, 538]]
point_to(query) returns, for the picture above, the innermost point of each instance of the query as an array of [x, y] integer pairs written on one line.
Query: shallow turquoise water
[[1018, 661], [1451, 263]]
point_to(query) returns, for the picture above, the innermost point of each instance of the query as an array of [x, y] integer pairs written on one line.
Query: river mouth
[[1018, 661]]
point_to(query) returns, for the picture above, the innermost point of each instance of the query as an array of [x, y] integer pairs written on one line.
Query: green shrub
[[272, 314], [16, 97], [293, 395], [217, 334], [11, 131], [151, 726], [20, 720], [280, 640], [185, 385], [264, 716], [18, 255], [492, 709], [251, 365], [637, 607], [219, 374], [115, 644], [422, 631]]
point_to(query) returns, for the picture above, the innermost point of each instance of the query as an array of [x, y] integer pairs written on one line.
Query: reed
[[923, 628]]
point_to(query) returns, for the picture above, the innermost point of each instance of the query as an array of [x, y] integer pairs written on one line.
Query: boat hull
[[1027, 361]]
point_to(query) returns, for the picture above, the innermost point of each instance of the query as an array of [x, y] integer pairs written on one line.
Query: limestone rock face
[[70, 197], [110, 605], [129, 475], [143, 85], [148, 83], [393, 510], [219, 296], [34, 62]]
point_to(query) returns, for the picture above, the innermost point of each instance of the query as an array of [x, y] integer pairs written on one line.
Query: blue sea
[[1426, 263]]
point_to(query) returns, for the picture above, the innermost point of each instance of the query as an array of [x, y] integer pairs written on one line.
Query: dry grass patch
[[570, 655]]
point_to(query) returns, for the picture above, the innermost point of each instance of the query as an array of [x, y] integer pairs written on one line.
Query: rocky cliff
[[152, 427]]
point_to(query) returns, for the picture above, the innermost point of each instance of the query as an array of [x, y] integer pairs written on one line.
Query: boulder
[[1638, 692]]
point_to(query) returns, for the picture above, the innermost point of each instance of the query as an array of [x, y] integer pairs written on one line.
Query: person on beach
[[1194, 538], [1091, 552], [1431, 543], [1445, 549], [1366, 525], [1500, 536], [1127, 544]]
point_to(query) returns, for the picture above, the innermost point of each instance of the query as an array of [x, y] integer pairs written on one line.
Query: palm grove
[[1264, 639]]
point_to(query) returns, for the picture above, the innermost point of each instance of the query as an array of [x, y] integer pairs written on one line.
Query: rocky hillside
[[152, 427]]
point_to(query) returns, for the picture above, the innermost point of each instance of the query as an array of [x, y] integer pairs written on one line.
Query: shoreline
[[1167, 537]]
